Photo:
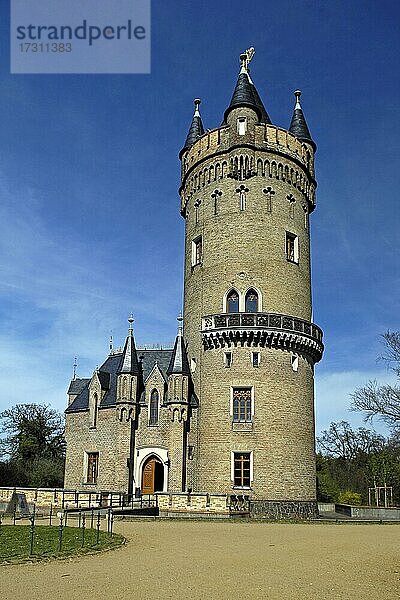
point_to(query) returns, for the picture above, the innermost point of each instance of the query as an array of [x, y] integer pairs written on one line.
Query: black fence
[[81, 519]]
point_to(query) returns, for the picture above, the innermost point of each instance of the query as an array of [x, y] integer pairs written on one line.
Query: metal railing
[[259, 320]]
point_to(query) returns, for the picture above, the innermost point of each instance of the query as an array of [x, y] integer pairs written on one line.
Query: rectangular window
[[292, 247], [241, 126], [255, 359], [197, 251], [92, 467], [228, 359], [242, 405], [241, 469]]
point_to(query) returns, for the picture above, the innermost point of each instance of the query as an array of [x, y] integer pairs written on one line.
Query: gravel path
[[222, 560]]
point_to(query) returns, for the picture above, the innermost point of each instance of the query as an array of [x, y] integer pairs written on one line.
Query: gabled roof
[[110, 367], [298, 125], [77, 385]]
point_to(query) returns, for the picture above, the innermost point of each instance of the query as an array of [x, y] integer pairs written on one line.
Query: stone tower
[[247, 190]]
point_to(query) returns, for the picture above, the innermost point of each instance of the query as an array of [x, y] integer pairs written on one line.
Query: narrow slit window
[[292, 247], [197, 251], [255, 359], [295, 362], [153, 413], [228, 359], [92, 467], [242, 125]]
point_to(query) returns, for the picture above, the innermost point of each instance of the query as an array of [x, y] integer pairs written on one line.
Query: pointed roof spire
[[196, 128], [245, 92], [298, 125], [179, 363], [129, 362]]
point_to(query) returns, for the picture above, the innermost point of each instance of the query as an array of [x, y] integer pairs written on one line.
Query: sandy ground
[[222, 560]]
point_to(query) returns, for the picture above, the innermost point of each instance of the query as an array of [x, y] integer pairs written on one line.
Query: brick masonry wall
[[243, 249]]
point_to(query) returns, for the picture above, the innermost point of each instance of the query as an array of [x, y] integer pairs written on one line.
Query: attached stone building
[[230, 409]]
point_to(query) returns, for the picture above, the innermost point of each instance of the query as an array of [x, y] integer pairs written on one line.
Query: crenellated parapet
[[272, 153]]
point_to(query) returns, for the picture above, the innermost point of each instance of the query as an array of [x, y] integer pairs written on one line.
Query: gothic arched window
[[251, 301], [232, 302], [153, 418]]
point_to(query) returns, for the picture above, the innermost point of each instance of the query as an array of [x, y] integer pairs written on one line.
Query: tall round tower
[[247, 191]]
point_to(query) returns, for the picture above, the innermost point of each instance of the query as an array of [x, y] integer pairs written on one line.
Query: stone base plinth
[[284, 509]]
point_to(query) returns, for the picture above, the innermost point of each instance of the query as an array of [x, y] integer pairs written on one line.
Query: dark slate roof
[[77, 385], [151, 357], [246, 94], [104, 379], [81, 402], [243, 96], [179, 363], [129, 362], [264, 115], [110, 368], [298, 125], [196, 130]]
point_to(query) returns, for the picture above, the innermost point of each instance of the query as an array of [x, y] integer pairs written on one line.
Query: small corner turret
[[196, 128], [178, 379], [129, 379], [298, 125]]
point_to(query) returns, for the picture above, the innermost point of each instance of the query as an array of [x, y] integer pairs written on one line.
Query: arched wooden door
[[152, 476]]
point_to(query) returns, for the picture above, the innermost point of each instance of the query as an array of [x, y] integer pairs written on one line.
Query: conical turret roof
[[196, 128], [129, 361], [179, 363], [245, 92], [298, 125]]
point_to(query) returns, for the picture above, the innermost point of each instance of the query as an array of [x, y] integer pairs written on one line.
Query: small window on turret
[[228, 359], [292, 247], [197, 251], [242, 125]]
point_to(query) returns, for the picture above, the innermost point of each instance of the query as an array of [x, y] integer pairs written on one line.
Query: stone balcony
[[270, 330]]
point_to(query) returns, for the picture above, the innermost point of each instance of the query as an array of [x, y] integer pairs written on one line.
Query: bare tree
[[341, 441], [382, 401]]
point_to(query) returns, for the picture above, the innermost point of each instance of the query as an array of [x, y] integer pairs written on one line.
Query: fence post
[[14, 514], [92, 518], [83, 529], [108, 519], [51, 513], [79, 517], [32, 531], [111, 522], [98, 528], [60, 534]]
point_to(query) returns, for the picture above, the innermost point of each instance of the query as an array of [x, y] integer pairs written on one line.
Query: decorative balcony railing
[[263, 329]]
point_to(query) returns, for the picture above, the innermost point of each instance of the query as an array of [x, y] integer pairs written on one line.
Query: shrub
[[350, 497]]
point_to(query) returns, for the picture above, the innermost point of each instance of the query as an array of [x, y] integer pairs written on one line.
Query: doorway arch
[[152, 475]]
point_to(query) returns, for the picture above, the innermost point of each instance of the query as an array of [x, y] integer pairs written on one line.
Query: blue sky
[[90, 224]]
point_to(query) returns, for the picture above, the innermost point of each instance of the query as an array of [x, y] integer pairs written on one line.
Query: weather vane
[[246, 56]]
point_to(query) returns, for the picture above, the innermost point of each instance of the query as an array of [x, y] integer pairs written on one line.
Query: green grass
[[15, 542]]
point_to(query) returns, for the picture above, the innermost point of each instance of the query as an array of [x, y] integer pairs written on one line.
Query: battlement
[[268, 138]]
